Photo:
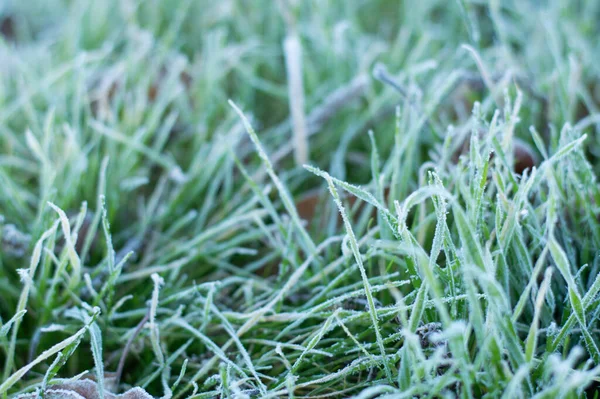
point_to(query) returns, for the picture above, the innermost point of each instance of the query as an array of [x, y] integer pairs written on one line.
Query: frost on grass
[[14, 242], [83, 389], [450, 252]]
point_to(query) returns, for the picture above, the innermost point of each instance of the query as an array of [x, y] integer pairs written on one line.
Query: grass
[[415, 215]]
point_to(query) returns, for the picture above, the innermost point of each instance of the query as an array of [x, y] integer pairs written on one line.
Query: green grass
[[155, 167]]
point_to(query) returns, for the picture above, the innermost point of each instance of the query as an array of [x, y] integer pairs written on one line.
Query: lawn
[[299, 198]]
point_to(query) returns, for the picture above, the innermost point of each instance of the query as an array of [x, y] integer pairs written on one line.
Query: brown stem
[[137, 331]]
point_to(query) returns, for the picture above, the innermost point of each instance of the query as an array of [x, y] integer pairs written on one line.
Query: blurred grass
[[437, 283]]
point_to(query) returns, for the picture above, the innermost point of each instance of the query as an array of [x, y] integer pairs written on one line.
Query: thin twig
[[380, 73], [137, 331], [327, 109]]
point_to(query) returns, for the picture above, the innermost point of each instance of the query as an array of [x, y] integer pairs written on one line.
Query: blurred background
[[160, 72]]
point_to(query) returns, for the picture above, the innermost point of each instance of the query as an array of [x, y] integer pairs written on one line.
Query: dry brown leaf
[[85, 389], [524, 155], [7, 28]]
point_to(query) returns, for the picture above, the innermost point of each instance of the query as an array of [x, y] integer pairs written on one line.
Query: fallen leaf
[[84, 389]]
